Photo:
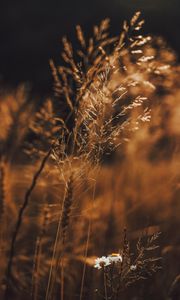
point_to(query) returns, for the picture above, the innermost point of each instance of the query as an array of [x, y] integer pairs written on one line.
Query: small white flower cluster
[[105, 261]]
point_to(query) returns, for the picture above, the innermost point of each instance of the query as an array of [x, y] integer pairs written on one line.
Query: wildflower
[[115, 257], [101, 262], [133, 267]]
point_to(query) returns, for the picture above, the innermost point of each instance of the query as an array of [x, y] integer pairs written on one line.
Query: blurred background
[[138, 186], [31, 32]]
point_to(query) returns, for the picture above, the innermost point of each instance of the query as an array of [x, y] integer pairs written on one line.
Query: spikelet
[[80, 36], [67, 206]]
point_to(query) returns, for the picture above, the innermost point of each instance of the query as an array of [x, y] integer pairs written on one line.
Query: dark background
[[31, 32]]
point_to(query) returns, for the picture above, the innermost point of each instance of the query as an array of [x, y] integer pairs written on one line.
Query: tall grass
[[102, 155]]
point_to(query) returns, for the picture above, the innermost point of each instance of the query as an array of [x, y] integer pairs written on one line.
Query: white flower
[[115, 257], [101, 262], [133, 267], [105, 261]]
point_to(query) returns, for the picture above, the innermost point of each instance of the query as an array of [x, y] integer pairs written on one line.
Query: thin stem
[[21, 213], [55, 256], [105, 285], [86, 252], [19, 221], [86, 249], [50, 279], [37, 257], [62, 280]]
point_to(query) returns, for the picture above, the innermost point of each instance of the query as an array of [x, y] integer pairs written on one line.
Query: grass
[[101, 156]]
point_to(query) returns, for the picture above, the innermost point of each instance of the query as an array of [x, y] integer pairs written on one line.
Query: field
[[89, 179]]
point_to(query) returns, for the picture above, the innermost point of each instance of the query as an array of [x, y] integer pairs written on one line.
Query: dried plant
[[115, 97], [124, 268]]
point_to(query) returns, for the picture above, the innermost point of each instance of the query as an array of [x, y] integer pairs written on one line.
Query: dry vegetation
[[103, 155]]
